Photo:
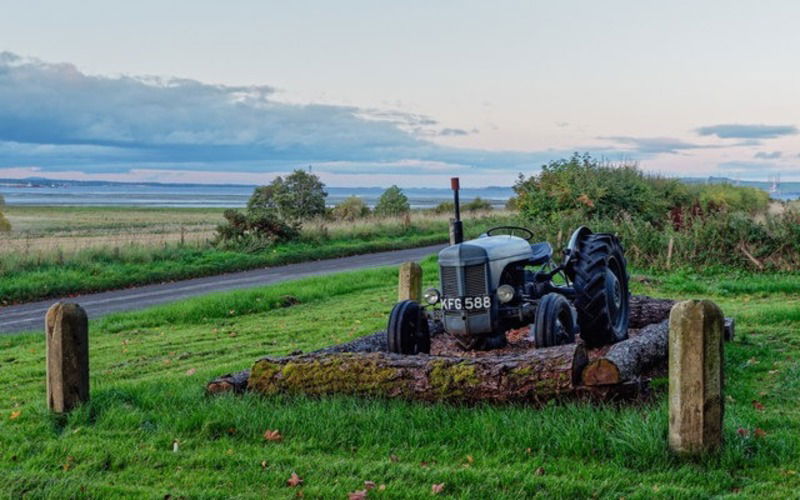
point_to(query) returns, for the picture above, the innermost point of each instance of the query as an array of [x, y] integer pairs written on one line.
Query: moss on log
[[529, 377]]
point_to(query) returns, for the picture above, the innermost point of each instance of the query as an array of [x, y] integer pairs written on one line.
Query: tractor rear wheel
[[600, 277], [407, 332], [555, 324]]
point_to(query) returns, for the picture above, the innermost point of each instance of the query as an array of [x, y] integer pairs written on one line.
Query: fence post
[[696, 402], [410, 282], [66, 327]]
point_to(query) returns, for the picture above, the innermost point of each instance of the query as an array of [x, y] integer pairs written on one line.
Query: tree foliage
[[298, 197], [392, 203], [275, 212]]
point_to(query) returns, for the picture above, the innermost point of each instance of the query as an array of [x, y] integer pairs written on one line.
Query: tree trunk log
[[646, 310], [627, 360], [534, 376], [231, 382]]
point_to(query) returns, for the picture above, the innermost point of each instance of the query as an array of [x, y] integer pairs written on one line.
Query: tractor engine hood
[[491, 248]]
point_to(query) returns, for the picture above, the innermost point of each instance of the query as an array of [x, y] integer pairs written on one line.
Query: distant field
[[68, 229]]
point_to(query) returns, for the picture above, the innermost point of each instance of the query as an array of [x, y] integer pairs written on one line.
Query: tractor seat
[[541, 253]]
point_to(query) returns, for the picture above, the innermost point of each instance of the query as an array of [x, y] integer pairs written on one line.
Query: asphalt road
[[30, 316]]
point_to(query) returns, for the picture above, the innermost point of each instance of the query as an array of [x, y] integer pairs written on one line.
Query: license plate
[[478, 303]]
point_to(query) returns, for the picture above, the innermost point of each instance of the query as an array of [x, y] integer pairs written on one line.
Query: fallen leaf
[[191, 371], [294, 481], [15, 414], [175, 446], [752, 361], [757, 405], [470, 459], [539, 471], [263, 464], [273, 435], [742, 432], [232, 431], [773, 372], [369, 485], [423, 464], [528, 451], [394, 458], [437, 488], [357, 495], [759, 433], [383, 486]]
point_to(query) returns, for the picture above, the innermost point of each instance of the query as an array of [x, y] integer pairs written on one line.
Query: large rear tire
[[555, 324], [599, 274], [407, 332]]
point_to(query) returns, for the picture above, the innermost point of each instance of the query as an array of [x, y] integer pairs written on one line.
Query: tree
[[300, 196], [392, 203], [5, 226], [351, 208]]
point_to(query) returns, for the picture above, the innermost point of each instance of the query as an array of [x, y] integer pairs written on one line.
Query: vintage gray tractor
[[501, 281]]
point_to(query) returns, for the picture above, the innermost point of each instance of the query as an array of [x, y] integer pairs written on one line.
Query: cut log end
[[601, 372]]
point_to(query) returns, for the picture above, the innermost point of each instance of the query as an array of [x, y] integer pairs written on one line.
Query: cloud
[[763, 155], [656, 145], [55, 116], [736, 131]]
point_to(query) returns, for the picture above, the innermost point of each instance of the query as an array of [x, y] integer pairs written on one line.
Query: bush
[[350, 208], [445, 207], [589, 188], [392, 203], [478, 205], [256, 229]]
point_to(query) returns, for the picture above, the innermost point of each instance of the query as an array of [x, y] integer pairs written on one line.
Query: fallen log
[[533, 376], [646, 310], [626, 360]]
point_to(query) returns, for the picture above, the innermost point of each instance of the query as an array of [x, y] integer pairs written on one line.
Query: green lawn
[[149, 370]]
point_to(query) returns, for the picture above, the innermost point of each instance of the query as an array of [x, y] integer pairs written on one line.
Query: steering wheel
[[526, 233]]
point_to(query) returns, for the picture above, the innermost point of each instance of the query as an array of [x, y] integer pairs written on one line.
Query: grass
[[149, 369], [135, 246]]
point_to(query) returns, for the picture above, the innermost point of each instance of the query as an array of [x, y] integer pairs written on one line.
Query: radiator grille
[[475, 280], [449, 276]]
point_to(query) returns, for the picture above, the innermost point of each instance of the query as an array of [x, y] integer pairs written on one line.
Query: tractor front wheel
[[555, 323], [408, 332]]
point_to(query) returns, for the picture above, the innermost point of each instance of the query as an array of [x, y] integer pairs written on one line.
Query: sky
[[410, 92]]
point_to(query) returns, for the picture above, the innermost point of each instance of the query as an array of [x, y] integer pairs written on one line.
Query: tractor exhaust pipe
[[456, 229]]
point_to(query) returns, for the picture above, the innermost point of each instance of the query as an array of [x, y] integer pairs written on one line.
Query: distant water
[[165, 195]]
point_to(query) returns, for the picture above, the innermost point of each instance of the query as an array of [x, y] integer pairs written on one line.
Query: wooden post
[[67, 330], [696, 402], [410, 283], [669, 252]]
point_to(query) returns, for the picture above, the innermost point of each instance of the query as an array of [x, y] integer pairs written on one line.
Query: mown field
[[149, 369], [56, 251]]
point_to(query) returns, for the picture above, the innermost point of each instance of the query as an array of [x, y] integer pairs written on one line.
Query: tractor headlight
[[505, 293], [431, 296]]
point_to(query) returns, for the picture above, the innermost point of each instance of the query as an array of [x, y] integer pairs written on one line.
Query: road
[[30, 316]]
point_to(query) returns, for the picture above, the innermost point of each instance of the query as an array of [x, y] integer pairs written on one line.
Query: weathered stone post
[[696, 402], [67, 330], [410, 282]]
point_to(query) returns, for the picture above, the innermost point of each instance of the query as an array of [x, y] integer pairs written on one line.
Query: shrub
[[351, 208], [256, 229], [478, 205], [392, 203], [445, 207]]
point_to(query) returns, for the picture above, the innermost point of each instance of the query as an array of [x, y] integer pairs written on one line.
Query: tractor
[[502, 281]]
